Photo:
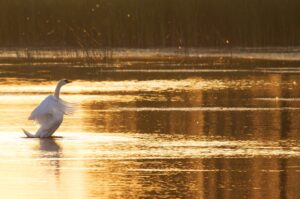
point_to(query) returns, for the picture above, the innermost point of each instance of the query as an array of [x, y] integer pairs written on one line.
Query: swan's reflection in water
[[58, 175], [50, 154], [50, 145], [52, 151]]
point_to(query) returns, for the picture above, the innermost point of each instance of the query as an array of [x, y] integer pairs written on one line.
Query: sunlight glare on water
[[15, 86]]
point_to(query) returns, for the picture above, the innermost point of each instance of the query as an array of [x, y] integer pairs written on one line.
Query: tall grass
[[149, 23]]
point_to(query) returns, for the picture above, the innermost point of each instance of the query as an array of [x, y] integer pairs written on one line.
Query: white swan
[[50, 113]]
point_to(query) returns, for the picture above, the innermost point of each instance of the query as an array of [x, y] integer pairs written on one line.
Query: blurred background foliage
[[149, 23]]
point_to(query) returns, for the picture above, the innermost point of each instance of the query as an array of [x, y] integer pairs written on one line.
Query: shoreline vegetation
[[86, 56], [149, 23]]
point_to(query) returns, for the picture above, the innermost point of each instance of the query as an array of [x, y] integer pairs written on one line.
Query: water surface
[[154, 129]]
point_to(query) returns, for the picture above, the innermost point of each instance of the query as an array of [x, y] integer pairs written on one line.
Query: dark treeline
[[149, 23]]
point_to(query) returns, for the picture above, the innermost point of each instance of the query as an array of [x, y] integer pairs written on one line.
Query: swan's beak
[[68, 81]]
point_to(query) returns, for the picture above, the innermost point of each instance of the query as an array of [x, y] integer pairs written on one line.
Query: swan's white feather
[[50, 109]]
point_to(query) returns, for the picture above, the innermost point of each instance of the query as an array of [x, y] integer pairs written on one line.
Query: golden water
[[137, 133]]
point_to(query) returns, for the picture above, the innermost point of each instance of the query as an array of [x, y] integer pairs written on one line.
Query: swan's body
[[50, 113]]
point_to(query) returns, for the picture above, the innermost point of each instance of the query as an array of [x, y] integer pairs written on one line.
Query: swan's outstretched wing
[[67, 107], [50, 108]]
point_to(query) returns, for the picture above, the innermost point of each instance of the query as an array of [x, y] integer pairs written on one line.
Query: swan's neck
[[57, 90]]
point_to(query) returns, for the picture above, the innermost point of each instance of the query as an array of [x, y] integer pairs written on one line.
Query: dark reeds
[[89, 24]]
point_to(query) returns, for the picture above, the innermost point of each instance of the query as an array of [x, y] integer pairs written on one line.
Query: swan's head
[[63, 82]]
